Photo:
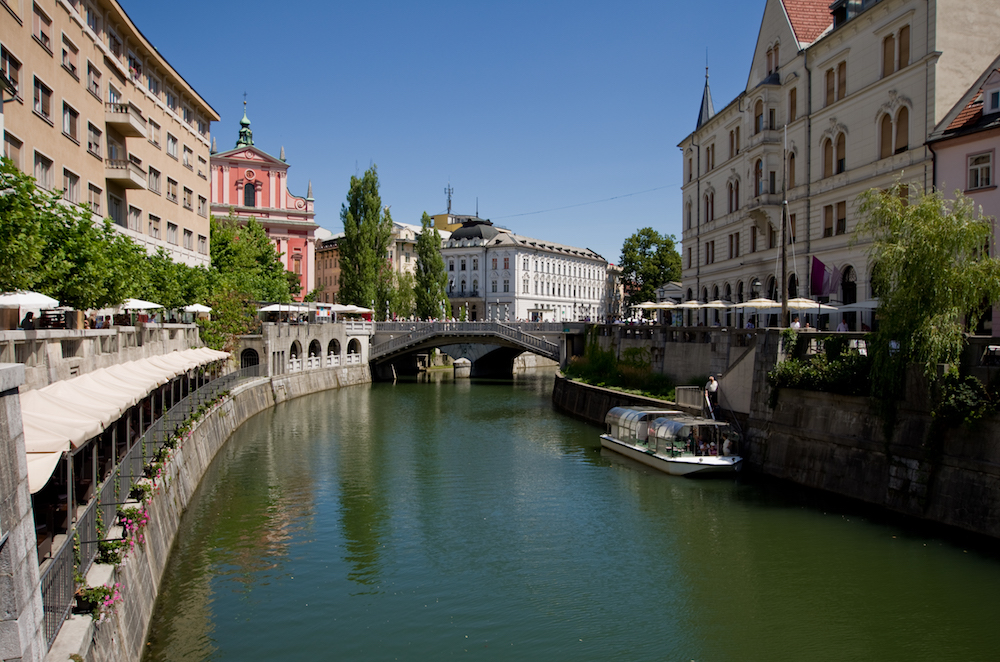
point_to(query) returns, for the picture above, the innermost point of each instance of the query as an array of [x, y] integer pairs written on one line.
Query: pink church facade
[[251, 182]]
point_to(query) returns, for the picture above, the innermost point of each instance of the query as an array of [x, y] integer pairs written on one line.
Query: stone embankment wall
[[591, 403], [121, 638]]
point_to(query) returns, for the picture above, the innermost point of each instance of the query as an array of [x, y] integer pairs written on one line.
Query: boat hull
[[685, 465]]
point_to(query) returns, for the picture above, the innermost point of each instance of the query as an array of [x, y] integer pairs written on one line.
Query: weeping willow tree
[[934, 278]]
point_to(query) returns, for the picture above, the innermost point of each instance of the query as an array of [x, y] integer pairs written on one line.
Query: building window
[[980, 166], [71, 186], [12, 68], [841, 153], [791, 228], [791, 171], [758, 116], [186, 114], [828, 221], [758, 177], [506, 285], [134, 218], [154, 225], [461, 264], [171, 190], [154, 133], [188, 239], [525, 268], [831, 87], [202, 244], [171, 100], [93, 80], [475, 264], [494, 286], [93, 19], [94, 198], [753, 238], [904, 46], [115, 209], [154, 180], [793, 105], [841, 217], [115, 44], [69, 57], [43, 171], [71, 122], [451, 265], [153, 84], [506, 263], [41, 29], [187, 158], [827, 157], [524, 289], [188, 198], [249, 195], [171, 233], [902, 130], [494, 263], [171, 146], [114, 96], [43, 100], [134, 66], [202, 206], [841, 80], [888, 55]]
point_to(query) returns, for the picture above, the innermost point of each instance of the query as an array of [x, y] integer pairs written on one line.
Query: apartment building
[[840, 98], [102, 116]]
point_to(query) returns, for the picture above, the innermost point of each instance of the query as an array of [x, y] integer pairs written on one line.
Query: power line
[[584, 204]]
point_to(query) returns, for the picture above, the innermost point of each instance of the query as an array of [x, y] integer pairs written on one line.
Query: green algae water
[[468, 520]]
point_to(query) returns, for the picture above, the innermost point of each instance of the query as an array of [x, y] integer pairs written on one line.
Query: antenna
[[477, 206], [448, 191]]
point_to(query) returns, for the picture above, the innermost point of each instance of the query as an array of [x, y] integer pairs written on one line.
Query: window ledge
[[45, 119], [72, 73], [95, 155], [980, 189], [71, 137], [42, 44]]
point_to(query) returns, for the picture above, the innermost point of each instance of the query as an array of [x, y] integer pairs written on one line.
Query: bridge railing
[[418, 331]]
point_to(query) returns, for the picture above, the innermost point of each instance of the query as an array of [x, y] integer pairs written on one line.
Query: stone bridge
[[492, 346]]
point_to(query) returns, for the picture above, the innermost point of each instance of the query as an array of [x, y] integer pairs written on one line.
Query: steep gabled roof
[[966, 116], [706, 111], [809, 18]]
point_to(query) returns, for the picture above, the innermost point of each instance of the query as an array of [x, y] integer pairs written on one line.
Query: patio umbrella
[[689, 305], [645, 305], [139, 304], [197, 308], [664, 305], [808, 305], [759, 303], [24, 299], [718, 304]]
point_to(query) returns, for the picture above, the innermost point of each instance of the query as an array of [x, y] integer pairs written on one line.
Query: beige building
[[850, 92], [102, 116]]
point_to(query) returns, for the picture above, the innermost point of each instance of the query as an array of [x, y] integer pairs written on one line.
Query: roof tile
[[809, 18]]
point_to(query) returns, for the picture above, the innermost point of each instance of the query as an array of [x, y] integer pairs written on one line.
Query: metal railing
[[58, 582]]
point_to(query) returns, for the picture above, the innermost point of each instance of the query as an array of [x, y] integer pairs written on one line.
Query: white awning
[[65, 415]]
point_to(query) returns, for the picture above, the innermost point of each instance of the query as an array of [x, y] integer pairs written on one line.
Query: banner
[[825, 280]]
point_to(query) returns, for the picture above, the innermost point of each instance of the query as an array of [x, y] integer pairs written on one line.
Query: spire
[[215, 148], [246, 135], [309, 194], [707, 110], [282, 157]]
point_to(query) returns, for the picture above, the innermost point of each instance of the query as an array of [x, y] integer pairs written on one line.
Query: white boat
[[672, 442]]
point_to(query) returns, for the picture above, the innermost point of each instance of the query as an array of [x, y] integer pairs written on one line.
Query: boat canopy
[[696, 429], [631, 423]]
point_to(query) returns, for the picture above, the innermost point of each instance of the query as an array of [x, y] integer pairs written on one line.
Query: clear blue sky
[[527, 106]]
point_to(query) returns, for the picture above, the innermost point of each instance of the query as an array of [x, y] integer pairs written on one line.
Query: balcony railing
[[126, 119]]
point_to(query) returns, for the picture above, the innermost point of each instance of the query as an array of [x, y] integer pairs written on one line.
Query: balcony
[[463, 294], [125, 173], [126, 119]]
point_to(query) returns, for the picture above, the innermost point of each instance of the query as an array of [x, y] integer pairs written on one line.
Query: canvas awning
[[65, 415]]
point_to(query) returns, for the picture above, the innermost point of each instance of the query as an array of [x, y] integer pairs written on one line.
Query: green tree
[[402, 302], [933, 276], [21, 243], [431, 277], [364, 276], [244, 260], [648, 260], [233, 315]]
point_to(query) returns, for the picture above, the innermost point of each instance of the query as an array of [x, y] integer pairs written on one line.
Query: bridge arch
[[354, 347], [249, 358], [315, 349], [333, 348], [295, 351]]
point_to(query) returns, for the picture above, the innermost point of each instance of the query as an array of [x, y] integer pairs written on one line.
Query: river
[[469, 520]]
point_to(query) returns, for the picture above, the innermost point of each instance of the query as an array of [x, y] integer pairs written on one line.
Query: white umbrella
[[197, 308], [139, 304], [689, 305], [871, 304], [283, 308], [718, 304], [645, 305], [664, 305], [808, 305], [24, 299], [759, 302]]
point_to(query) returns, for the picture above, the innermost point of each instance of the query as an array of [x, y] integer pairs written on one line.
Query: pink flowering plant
[[99, 601], [134, 520]]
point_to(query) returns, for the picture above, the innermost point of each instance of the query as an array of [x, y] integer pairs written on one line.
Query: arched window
[[885, 137], [730, 188], [827, 157], [727, 293], [841, 153], [902, 130], [736, 195], [793, 286], [689, 215], [249, 195], [739, 292], [777, 63], [791, 171], [758, 177], [711, 206], [770, 61], [758, 116]]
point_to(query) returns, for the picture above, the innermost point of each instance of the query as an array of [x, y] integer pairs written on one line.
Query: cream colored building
[[853, 90], [101, 115]]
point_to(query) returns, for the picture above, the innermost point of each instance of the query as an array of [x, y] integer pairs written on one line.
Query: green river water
[[468, 520]]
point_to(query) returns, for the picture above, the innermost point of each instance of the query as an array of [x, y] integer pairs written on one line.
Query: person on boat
[[727, 444], [713, 449], [712, 391]]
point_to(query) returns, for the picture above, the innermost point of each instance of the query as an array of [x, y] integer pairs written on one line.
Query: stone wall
[[56, 354], [592, 403], [122, 637], [22, 628]]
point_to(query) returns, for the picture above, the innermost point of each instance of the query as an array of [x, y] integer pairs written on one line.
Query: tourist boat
[[672, 441]]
